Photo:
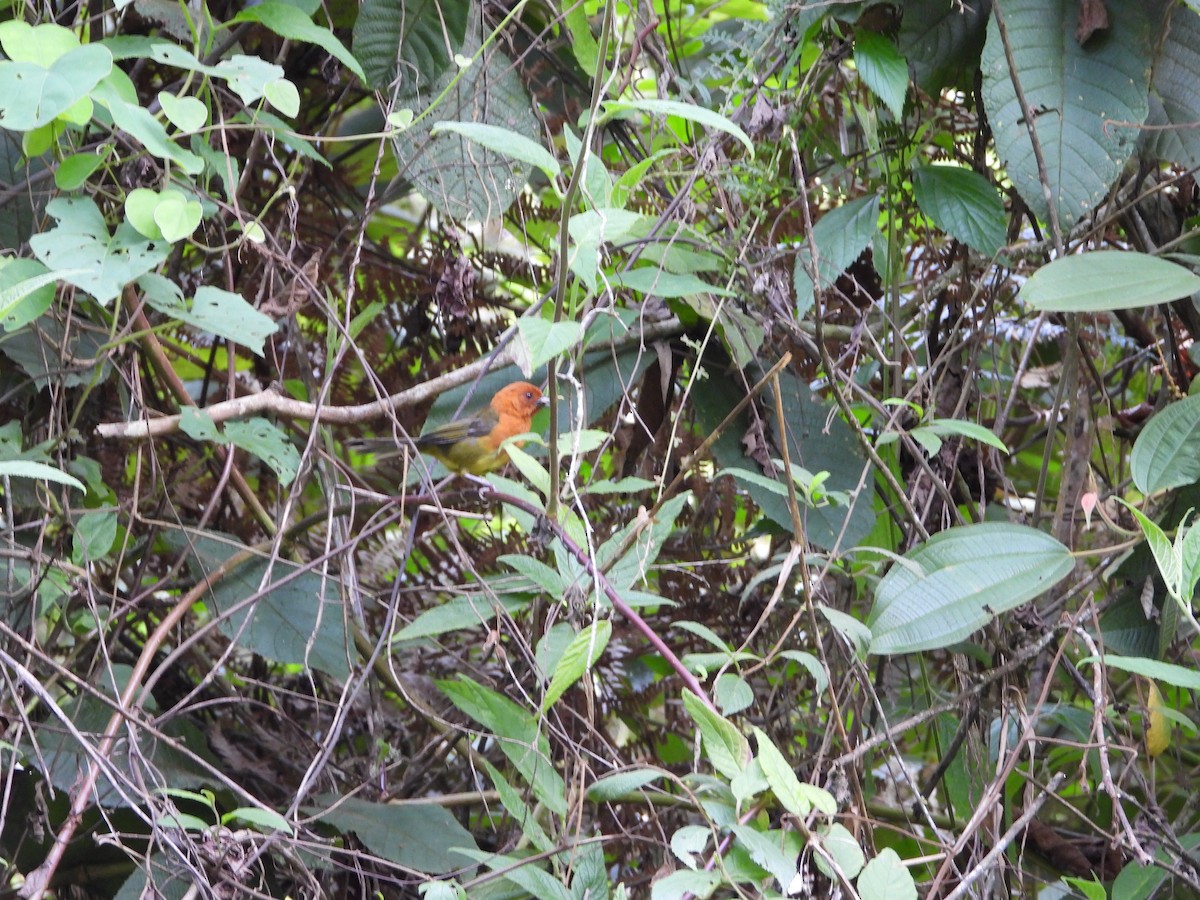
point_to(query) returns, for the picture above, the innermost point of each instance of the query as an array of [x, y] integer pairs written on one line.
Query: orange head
[[520, 400]]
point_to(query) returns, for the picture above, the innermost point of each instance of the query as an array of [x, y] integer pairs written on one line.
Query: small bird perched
[[472, 445]]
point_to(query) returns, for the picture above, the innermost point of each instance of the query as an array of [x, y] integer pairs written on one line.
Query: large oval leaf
[[957, 581], [1107, 280], [1167, 452], [1086, 101]]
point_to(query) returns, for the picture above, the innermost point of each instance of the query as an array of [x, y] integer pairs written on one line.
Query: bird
[[472, 445]]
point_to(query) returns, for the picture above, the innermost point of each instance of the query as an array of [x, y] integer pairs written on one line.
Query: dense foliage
[[854, 556]]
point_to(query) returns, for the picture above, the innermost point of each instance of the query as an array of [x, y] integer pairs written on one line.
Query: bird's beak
[[543, 402]]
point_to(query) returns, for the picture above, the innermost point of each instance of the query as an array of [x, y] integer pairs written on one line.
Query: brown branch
[[272, 402]]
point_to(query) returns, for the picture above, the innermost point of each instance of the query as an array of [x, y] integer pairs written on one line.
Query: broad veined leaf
[[610, 787], [1171, 134], [1087, 102], [1106, 280], [963, 577], [882, 67], [408, 40], [887, 876], [221, 312], [963, 204], [539, 341], [32, 94], [1167, 452], [840, 235]]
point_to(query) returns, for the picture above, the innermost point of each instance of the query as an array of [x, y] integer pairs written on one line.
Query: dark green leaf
[[1087, 102], [882, 67], [841, 235], [963, 204]]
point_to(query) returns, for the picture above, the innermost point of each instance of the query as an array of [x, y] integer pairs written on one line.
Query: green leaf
[[516, 732], [221, 312], [457, 614], [128, 116], [628, 485], [532, 880], [1087, 101], [289, 22], [1105, 280], [1179, 676], [258, 436], [613, 787], [418, 836], [796, 796], [24, 468], [972, 430], [624, 573], [32, 94], [505, 142], [844, 849], [963, 204], [95, 534], [539, 341], [583, 44], [855, 631], [185, 113], [41, 44], [26, 291], [537, 572], [958, 580], [265, 820], [577, 660], [177, 215], [668, 285], [766, 849], [698, 114], [412, 40], [1165, 557], [268, 442], [1174, 101], [688, 842], [516, 807], [1167, 452], [282, 95], [685, 883], [726, 748], [73, 172], [732, 693], [462, 179], [841, 235], [882, 67], [83, 253], [276, 609], [886, 878]]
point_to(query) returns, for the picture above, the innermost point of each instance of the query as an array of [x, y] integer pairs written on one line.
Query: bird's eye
[[529, 395]]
